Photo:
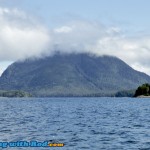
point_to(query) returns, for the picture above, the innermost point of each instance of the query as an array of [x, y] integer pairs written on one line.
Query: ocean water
[[79, 123]]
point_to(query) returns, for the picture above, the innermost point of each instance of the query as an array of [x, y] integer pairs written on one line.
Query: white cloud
[[101, 40], [21, 36], [63, 29]]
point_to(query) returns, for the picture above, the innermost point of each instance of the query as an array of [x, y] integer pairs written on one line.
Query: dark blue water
[[79, 123]]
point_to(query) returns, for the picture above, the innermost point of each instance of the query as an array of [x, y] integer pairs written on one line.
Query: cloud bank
[[100, 40], [22, 36]]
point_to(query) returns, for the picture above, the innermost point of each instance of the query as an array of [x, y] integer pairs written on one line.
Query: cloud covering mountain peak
[[22, 36]]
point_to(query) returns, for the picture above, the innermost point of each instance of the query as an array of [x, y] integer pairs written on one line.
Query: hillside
[[72, 75]]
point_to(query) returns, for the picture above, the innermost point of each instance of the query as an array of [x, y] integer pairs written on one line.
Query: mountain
[[72, 75]]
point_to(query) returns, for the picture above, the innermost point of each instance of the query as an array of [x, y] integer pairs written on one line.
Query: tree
[[143, 90]]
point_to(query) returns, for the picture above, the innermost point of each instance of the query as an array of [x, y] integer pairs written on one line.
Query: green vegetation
[[72, 75], [14, 94], [143, 90], [126, 93]]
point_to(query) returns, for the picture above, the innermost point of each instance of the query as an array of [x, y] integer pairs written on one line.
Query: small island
[[143, 91], [14, 93]]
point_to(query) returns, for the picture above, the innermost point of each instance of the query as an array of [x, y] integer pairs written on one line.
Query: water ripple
[[79, 123]]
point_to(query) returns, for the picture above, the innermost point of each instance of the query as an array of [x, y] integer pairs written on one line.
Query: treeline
[[125, 93], [143, 90], [14, 94]]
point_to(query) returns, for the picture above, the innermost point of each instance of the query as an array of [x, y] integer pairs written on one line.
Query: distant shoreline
[[143, 96]]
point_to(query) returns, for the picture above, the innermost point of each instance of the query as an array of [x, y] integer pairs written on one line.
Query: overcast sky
[[36, 28]]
